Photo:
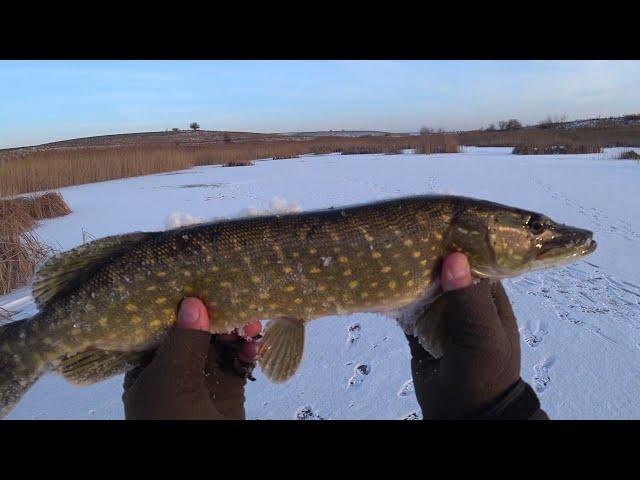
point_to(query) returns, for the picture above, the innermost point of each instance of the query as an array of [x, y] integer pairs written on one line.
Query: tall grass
[[52, 168], [589, 138], [20, 249]]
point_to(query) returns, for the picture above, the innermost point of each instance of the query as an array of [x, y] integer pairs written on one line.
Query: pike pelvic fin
[[431, 329], [284, 344], [63, 272], [94, 365]]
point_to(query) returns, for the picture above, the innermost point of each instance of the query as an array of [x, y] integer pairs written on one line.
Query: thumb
[[456, 272], [193, 315]]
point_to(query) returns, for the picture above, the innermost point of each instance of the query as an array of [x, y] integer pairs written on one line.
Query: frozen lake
[[580, 324]]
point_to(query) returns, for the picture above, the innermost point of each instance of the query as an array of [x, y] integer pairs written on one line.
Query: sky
[[44, 101]]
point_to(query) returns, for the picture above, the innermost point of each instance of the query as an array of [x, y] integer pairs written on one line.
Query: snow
[[580, 324]]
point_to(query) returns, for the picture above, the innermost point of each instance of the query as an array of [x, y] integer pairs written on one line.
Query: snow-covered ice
[[580, 324]]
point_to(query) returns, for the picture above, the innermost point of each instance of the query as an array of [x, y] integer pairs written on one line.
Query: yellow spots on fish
[[287, 270], [334, 236], [297, 300], [359, 254], [161, 300], [273, 306], [237, 248], [289, 288], [368, 237], [295, 254], [315, 270], [336, 249], [255, 279], [376, 254], [187, 289], [136, 319], [215, 268], [385, 269], [517, 257], [208, 258], [380, 294], [423, 262], [131, 307], [463, 230], [161, 274], [406, 272], [427, 272], [331, 298], [410, 283], [396, 255], [313, 251], [263, 295], [388, 246], [246, 260], [151, 288], [343, 259], [121, 288], [321, 288], [242, 315], [347, 273], [437, 235], [424, 239], [408, 243], [169, 312], [373, 284], [225, 284], [103, 321], [364, 295], [89, 307], [235, 301], [433, 249], [392, 285], [253, 306], [416, 254], [353, 284]]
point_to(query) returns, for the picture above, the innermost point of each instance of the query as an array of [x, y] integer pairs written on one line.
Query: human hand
[[481, 360], [191, 375]]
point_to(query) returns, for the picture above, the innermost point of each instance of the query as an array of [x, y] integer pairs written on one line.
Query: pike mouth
[[567, 242]]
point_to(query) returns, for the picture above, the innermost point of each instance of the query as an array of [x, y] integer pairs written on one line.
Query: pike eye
[[535, 225]]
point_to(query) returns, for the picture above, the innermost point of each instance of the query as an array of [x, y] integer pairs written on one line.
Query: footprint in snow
[[354, 333], [533, 338], [541, 378], [412, 416], [359, 372], [406, 389], [307, 413]]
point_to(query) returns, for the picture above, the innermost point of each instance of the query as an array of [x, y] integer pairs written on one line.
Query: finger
[[503, 306], [193, 315], [250, 330], [456, 272]]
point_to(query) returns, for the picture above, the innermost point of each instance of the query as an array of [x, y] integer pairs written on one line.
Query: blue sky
[[43, 101]]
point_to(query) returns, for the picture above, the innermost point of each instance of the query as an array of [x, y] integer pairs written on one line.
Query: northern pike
[[106, 303]]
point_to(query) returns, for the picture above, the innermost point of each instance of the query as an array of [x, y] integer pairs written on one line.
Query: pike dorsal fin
[[68, 269], [284, 342], [94, 365]]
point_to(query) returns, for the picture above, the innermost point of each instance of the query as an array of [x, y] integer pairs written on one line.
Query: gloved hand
[[478, 375], [185, 378]]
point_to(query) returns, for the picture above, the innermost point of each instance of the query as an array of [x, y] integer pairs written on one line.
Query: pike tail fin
[[20, 365]]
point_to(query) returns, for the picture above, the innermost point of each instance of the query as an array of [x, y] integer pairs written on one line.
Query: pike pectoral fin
[[284, 344], [94, 365], [431, 329]]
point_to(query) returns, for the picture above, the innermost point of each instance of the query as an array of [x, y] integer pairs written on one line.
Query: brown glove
[[192, 375], [478, 375]]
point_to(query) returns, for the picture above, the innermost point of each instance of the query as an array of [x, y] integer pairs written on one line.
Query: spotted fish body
[[109, 299]]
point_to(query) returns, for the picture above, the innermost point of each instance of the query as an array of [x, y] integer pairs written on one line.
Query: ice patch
[[180, 219], [277, 205]]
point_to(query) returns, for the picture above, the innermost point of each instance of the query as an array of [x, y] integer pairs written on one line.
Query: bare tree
[[194, 126], [425, 130]]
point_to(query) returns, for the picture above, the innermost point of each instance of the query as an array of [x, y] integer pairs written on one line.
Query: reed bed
[[20, 250], [36, 170]]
